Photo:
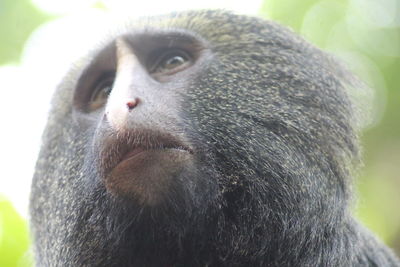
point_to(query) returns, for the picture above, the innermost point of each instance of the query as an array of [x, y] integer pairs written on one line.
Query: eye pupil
[[101, 92], [106, 90], [170, 62], [174, 62]]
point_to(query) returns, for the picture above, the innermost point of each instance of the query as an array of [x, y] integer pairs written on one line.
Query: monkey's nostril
[[131, 104]]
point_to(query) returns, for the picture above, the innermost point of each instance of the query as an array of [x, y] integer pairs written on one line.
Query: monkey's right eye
[[101, 91]]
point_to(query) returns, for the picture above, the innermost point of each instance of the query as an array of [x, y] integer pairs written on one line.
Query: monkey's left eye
[[101, 91], [170, 62]]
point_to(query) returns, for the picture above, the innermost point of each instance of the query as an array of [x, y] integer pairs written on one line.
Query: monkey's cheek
[[148, 176]]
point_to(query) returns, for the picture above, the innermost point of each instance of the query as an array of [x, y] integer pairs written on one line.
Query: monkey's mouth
[[133, 153], [143, 165], [139, 150], [115, 149]]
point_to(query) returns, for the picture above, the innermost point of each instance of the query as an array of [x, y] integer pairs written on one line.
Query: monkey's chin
[[148, 176]]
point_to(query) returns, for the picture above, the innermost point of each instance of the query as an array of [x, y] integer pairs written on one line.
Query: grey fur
[[273, 130]]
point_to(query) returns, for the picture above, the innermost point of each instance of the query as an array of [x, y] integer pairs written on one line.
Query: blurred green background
[[364, 33]]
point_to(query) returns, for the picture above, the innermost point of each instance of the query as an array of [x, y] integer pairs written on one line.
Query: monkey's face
[[131, 97]]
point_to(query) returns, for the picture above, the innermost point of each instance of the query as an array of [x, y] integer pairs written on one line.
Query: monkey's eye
[[101, 91], [170, 62]]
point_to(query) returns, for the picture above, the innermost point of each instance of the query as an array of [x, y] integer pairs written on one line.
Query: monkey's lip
[[145, 171], [139, 150], [126, 149], [133, 153], [147, 174]]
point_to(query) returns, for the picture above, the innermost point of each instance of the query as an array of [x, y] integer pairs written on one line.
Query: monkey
[[201, 138]]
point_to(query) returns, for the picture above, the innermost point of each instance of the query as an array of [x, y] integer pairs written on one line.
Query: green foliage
[[14, 238], [18, 18], [380, 202], [290, 13]]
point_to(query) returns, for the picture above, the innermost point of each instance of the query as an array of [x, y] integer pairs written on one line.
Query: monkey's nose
[[131, 104], [117, 114], [131, 79]]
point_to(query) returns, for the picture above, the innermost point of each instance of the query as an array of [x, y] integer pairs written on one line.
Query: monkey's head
[[195, 138]]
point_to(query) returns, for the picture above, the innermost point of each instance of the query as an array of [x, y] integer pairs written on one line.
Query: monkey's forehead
[[220, 31], [218, 27]]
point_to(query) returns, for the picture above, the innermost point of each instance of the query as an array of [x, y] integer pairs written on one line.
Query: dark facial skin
[[201, 139], [132, 98]]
